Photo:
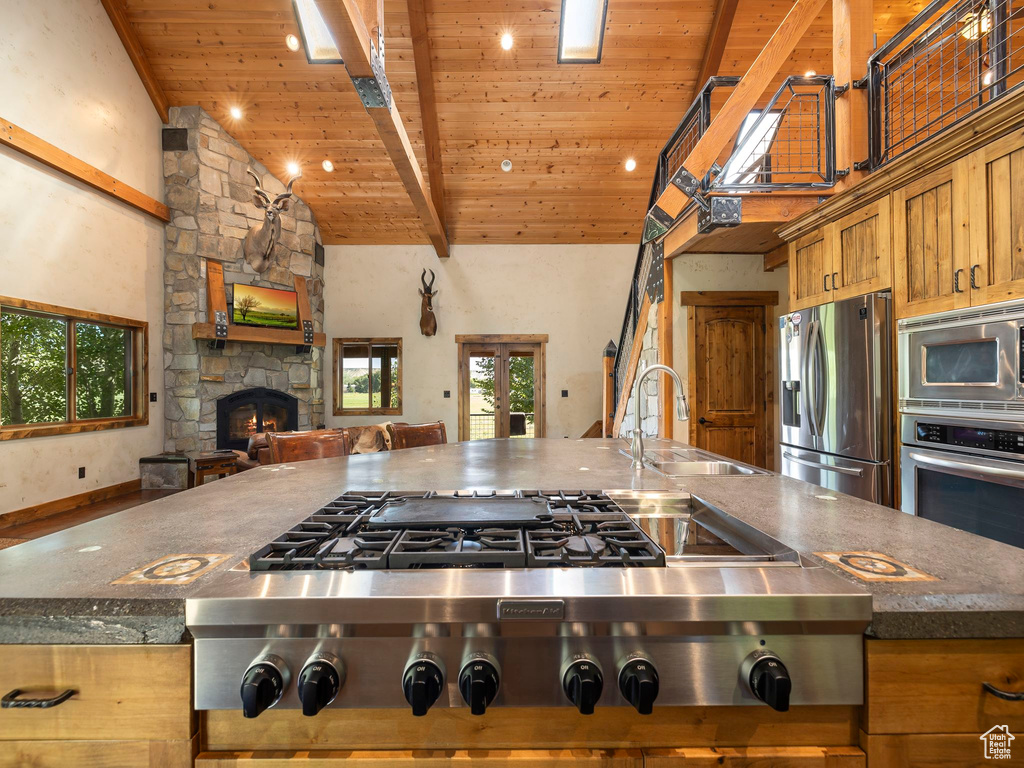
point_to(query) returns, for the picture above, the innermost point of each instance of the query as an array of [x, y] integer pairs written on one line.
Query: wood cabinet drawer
[[96, 754], [123, 691], [516, 758], [749, 757], [935, 686]]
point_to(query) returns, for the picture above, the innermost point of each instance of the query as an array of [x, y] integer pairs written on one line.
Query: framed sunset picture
[[264, 307]]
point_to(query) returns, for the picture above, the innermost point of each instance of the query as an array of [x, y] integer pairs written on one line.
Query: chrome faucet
[[636, 449]]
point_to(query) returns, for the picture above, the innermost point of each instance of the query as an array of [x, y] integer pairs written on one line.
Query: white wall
[[67, 79], [575, 294], [719, 272]]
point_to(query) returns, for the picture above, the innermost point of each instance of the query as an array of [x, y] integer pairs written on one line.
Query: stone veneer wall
[[649, 390], [210, 197]]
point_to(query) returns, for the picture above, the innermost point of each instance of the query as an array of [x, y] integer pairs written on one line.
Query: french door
[[501, 386]]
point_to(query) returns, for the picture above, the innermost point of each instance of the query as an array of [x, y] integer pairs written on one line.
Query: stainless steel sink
[[690, 462]]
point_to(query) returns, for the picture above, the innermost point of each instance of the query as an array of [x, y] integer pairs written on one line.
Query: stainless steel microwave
[[969, 360]]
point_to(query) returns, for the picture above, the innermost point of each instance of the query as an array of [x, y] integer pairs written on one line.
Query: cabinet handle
[[11, 700], [824, 282], [835, 286], [974, 282], [1004, 695], [956, 281]]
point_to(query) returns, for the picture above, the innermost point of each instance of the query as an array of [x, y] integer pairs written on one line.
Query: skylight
[[316, 37], [581, 32], [753, 145]]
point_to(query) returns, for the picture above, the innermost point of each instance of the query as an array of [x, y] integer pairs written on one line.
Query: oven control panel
[[972, 437]]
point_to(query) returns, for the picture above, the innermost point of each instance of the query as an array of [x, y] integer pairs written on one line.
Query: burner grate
[[468, 529]]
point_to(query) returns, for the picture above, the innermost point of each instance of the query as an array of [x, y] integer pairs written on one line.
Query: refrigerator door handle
[[821, 389], [810, 406], [826, 467]]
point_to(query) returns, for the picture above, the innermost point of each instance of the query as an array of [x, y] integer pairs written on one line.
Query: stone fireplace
[[243, 414], [210, 197]]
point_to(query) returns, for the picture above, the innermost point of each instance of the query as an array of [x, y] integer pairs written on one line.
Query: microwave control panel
[[972, 437]]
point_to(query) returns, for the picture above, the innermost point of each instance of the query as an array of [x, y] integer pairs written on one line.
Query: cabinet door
[[810, 270], [861, 246], [930, 243], [997, 220]]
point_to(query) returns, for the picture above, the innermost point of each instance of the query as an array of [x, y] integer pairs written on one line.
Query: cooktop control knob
[[319, 682], [769, 681], [582, 682], [423, 683], [638, 683], [263, 684], [478, 683]]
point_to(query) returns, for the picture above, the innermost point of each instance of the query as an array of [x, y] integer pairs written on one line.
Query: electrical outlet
[[447, 393], [152, 397], [565, 393], [81, 472]]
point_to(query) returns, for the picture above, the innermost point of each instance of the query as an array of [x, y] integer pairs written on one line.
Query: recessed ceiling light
[[631, 164], [316, 36], [506, 41], [292, 42], [236, 113], [506, 165], [293, 169], [810, 73], [581, 31], [328, 165]]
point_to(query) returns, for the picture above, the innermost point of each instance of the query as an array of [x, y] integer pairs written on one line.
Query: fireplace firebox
[[242, 414]]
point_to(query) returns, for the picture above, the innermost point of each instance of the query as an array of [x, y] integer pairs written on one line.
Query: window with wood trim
[[367, 377], [64, 370]]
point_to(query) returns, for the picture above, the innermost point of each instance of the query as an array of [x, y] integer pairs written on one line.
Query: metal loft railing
[[952, 59]]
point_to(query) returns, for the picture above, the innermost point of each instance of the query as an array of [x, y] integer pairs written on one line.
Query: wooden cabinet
[[861, 250], [743, 757], [930, 240], [478, 758], [132, 706], [996, 183], [810, 270]]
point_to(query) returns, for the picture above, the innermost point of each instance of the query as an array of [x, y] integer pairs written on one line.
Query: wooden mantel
[[216, 301]]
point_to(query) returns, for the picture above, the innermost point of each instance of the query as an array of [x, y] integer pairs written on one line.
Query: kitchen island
[[960, 613]]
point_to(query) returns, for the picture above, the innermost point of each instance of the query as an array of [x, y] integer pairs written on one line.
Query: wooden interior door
[[930, 243], [729, 372], [810, 265], [996, 194], [861, 244], [501, 386]]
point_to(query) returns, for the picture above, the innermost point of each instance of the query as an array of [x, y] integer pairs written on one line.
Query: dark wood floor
[[34, 529]]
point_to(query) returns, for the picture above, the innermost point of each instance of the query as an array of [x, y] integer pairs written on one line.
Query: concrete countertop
[[58, 589]]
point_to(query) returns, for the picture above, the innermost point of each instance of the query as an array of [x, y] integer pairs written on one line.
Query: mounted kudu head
[[428, 323], [260, 241]]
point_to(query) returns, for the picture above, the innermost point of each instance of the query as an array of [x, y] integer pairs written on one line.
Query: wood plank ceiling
[[567, 129]]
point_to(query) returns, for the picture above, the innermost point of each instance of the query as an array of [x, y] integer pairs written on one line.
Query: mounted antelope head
[[428, 323], [260, 241]]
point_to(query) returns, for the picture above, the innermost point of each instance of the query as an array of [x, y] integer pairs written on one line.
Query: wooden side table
[[210, 464]]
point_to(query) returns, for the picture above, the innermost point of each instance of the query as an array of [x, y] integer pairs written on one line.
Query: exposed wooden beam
[[428, 101], [741, 101], [852, 43], [776, 258], [116, 11], [634, 361], [728, 298], [353, 36], [32, 146], [714, 51]]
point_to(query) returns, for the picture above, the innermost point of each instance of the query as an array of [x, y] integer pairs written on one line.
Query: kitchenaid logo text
[[997, 741], [531, 609]]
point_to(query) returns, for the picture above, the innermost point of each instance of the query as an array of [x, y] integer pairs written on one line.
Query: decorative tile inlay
[[875, 566], [173, 569]]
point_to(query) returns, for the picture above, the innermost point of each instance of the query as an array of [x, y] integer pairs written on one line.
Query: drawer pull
[[11, 700], [1004, 695]]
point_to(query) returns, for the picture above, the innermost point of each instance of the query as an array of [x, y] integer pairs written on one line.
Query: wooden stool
[[211, 464]]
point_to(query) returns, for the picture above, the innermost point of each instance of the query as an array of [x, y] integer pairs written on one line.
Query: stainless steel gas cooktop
[[525, 598]]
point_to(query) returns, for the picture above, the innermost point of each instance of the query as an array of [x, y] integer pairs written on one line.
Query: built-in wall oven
[[968, 473], [961, 397]]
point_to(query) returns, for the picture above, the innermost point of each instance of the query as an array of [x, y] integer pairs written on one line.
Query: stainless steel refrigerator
[[836, 396]]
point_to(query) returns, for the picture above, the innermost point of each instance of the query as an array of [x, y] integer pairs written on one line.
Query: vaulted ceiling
[[567, 129]]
